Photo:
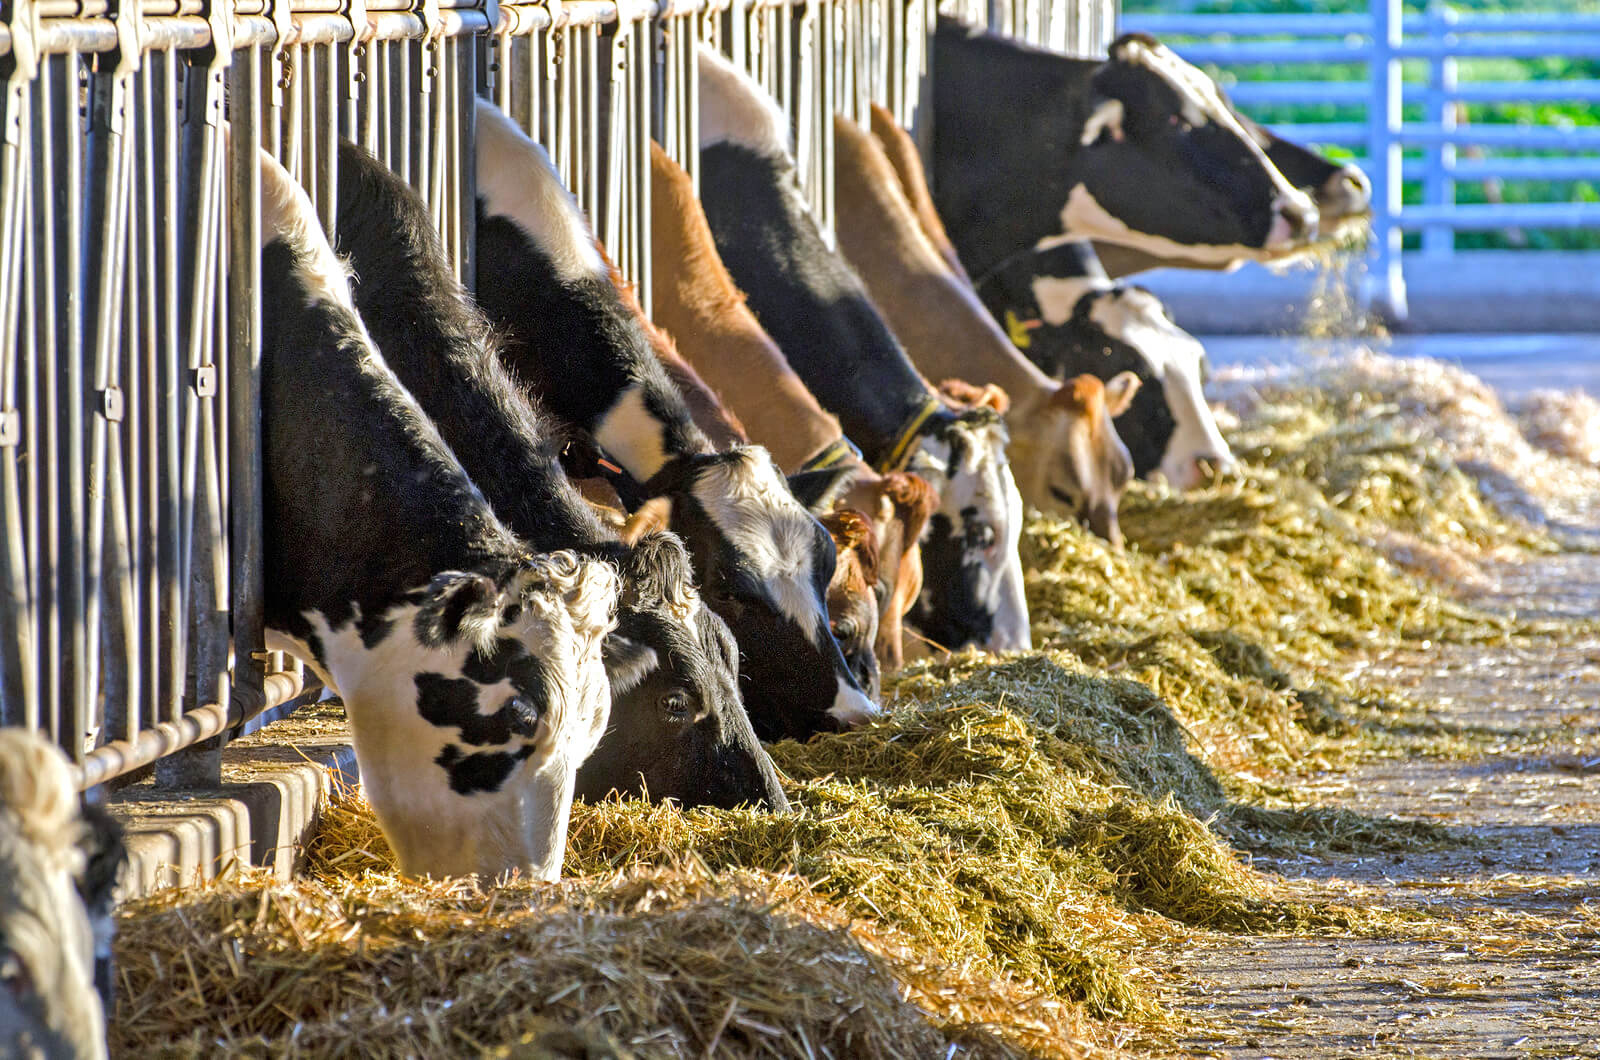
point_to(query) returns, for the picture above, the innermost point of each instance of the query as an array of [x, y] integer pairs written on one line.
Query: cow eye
[[677, 706], [980, 535], [14, 975], [844, 629]]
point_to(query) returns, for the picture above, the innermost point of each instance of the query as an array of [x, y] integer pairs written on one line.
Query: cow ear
[[653, 516], [1120, 390], [818, 489], [1105, 119], [458, 606], [627, 663]]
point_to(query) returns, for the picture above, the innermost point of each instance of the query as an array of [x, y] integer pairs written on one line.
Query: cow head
[[1165, 165], [898, 506], [678, 727], [1341, 191], [765, 564], [1069, 319], [1066, 453], [852, 594], [972, 590], [1168, 427], [48, 1004], [471, 707]]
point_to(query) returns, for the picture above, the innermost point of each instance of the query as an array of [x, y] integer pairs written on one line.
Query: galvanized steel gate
[[130, 486]]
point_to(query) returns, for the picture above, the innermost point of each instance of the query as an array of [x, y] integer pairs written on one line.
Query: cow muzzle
[[1294, 222], [1346, 194]]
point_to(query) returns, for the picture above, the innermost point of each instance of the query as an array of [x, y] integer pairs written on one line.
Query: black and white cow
[[1138, 149], [678, 727], [58, 865], [470, 666], [1341, 191], [817, 310], [583, 346], [1069, 318]]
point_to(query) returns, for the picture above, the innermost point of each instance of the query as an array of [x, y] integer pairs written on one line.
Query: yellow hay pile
[[977, 874]]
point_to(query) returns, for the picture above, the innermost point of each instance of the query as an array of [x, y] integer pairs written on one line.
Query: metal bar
[[1437, 188], [18, 660], [1520, 137], [1354, 93], [1487, 216], [1383, 158]]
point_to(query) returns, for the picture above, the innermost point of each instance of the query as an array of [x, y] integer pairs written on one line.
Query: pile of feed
[[981, 873]]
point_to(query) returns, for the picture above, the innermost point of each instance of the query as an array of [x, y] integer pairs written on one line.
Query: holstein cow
[[817, 310], [678, 727], [696, 300], [1341, 191], [470, 667], [58, 861], [1138, 149], [1065, 453], [852, 599], [574, 336], [1069, 318]]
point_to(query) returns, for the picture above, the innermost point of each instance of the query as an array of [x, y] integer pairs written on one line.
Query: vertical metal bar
[[1438, 188], [18, 661], [168, 415], [246, 549], [1383, 149]]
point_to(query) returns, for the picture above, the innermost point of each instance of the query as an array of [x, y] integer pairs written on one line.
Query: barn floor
[[1497, 953]]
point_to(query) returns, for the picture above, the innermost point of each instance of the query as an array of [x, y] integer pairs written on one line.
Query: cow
[[575, 335], [852, 599], [1064, 452], [58, 866], [1137, 149], [811, 302], [1069, 318], [679, 727], [697, 302], [470, 666]]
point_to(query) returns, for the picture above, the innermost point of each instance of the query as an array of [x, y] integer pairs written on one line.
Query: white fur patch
[[851, 707], [735, 109], [287, 215], [751, 505], [1058, 296], [635, 438], [983, 480], [1137, 318], [565, 613], [1083, 217], [517, 180]]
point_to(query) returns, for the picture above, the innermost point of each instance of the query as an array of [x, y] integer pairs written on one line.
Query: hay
[[981, 872], [1563, 422], [653, 963]]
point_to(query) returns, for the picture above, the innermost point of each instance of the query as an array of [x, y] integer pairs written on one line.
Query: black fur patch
[[481, 771], [447, 701]]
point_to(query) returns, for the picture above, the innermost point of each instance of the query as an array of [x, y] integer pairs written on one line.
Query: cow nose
[[1294, 220], [1103, 522], [1347, 192]]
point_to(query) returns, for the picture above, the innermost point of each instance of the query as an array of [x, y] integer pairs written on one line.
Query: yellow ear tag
[[1017, 330]]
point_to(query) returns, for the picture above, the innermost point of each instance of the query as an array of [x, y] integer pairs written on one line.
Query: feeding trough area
[[769, 587]]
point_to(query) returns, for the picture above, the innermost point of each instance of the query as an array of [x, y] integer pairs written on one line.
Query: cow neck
[[369, 438], [440, 347], [1001, 176], [701, 307], [936, 315], [808, 299]]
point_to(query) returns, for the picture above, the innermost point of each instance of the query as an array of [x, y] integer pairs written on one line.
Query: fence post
[[1387, 294], [1438, 187]]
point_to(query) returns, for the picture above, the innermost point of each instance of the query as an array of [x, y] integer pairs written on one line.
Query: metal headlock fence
[[1394, 149], [130, 480]]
